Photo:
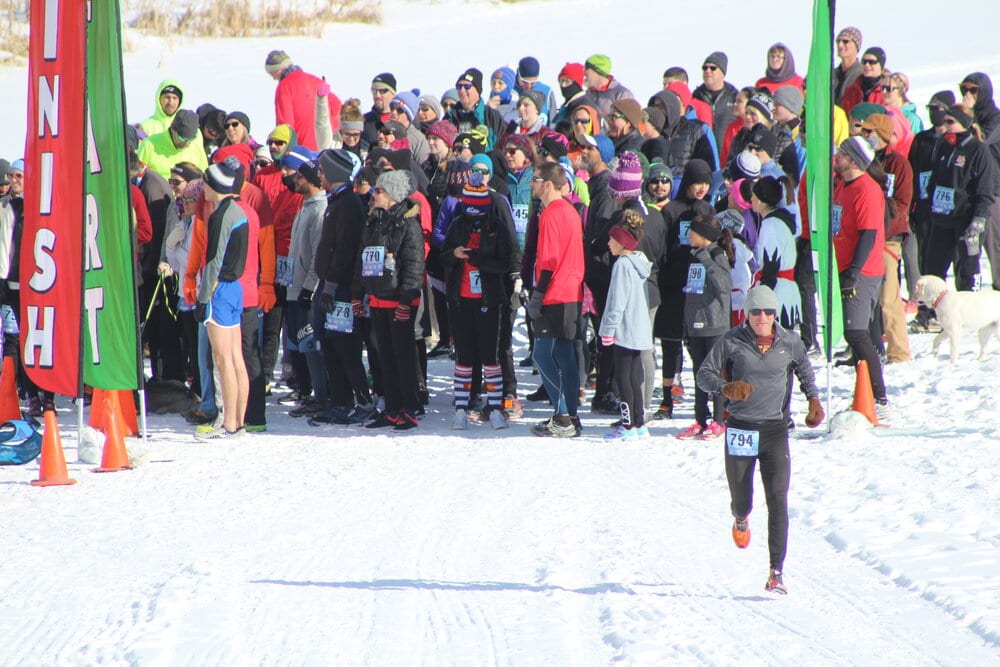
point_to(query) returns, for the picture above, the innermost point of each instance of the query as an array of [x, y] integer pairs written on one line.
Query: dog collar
[[938, 300]]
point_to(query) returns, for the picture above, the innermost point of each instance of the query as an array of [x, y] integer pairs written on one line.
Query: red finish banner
[[51, 249]]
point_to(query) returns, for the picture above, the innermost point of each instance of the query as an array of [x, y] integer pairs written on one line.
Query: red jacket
[[701, 109], [854, 95], [295, 104], [143, 223], [772, 86], [560, 250], [284, 205]]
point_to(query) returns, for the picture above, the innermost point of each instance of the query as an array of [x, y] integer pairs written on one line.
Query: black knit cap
[[473, 76], [957, 112], [385, 79], [768, 190]]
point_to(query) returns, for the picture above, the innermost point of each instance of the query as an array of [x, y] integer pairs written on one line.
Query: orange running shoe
[[775, 584], [741, 533]]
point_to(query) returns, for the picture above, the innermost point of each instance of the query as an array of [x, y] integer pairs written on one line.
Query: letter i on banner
[[52, 239]]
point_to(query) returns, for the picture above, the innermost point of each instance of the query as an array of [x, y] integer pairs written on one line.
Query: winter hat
[[556, 144], [882, 125], [524, 143], [398, 185], [852, 34], [4, 170], [732, 220], [277, 61], [310, 171], [457, 176], [696, 171], [791, 98], [193, 189], [624, 237], [765, 139], [393, 128], [600, 63], [432, 102], [572, 71], [185, 124], [945, 98], [221, 178], [385, 79], [242, 153], [475, 195], [603, 144], [172, 90], [707, 227], [484, 160], [241, 117], [625, 180], [567, 168], [506, 75], [351, 118], [768, 190], [17, 165], [858, 150], [443, 130], [263, 155], [474, 140], [957, 111], [179, 169], [339, 165], [719, 59], [655, 117], [450, 94], [761, 298], [629, 108], [400, 156], [528, 67], [877, 52], [296, 156], [763, 103], [535, 97], [736, 193], [407, 100], [745, 165], [657, 169], [473, 76], [283, 132], [861, 111]]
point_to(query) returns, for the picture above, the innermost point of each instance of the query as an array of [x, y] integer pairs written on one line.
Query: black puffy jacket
[[397, 231]]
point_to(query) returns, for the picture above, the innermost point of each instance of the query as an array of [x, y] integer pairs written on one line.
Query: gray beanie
[[760, 297], [337, 165], [858, 150], [398, 185], [791, 98], [719, 59], [432, 102], [4, 170]]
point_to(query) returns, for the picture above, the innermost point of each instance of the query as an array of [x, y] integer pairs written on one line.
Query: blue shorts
[[225, 310]]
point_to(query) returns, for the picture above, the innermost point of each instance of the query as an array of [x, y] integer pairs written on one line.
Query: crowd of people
[[424, 225]]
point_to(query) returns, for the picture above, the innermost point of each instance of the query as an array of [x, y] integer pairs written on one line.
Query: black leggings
[[860, 342], [698, 348], [629, 375], [398, 359], [775, 473], [673, 360]]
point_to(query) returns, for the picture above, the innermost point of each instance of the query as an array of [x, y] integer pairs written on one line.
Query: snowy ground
[[336, 547]]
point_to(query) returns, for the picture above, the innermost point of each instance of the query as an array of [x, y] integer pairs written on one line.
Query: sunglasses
[[869, 61], [543, 152], [888, 89], [935, 107], [969, 89], [380, 91], [843, 41], [188, 200], [234, 123], [15, 175], [753, 148], [538, 179], [581, 121], [615, 116], [511, 150], [481, 170], [463, 86], [276, 142], [757, 312], [659, 181], [708, 68], [951, 121], [175, 182], [448, 105]]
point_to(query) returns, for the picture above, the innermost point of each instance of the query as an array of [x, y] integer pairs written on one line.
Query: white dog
[[958, 311]]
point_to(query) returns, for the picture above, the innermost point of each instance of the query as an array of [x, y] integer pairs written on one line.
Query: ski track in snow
[[497, 548]]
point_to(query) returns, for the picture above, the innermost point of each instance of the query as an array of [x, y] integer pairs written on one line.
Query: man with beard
[[977, 94]]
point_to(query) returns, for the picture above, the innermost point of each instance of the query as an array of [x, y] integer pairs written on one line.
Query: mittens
[[358, 308], [816, 414], [737, 391]]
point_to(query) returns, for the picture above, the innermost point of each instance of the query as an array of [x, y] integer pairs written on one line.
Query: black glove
[[326, 302], [848, 283], [200, 312], [534, 306], [305, 297]]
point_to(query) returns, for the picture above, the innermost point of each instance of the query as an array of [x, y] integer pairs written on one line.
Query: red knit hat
[[572, 71]]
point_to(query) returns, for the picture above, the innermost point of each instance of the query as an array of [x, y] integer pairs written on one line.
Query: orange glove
[[190, 290], [816, 414], [737, 391], [266, 297]]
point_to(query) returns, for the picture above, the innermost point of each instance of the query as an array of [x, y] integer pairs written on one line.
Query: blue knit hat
[[296, 156], [603, 144]]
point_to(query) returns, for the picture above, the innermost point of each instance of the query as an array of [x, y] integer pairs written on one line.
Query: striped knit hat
[[625, 180], [475, 195], [221, 178]]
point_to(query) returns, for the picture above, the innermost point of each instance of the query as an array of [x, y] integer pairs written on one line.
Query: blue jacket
[[626, 315]]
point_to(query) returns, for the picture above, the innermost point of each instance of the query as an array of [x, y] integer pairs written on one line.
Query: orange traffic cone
[[97, 417], [52, 471], [126, 406], [864, 400], [10, 407], [115, 456]]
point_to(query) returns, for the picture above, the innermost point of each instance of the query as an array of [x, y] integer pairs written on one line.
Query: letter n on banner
[[51, 249]]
